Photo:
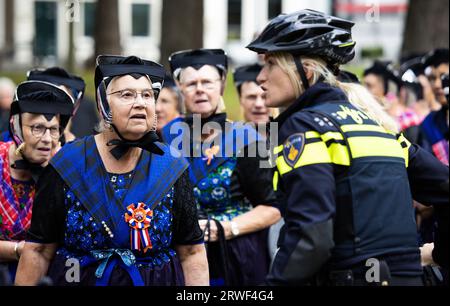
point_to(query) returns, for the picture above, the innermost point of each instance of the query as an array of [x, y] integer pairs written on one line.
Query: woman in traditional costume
[[117, 205], [39, 113], [233, 190]]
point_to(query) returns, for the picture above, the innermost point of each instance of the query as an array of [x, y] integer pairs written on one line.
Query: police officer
[[345, 179]]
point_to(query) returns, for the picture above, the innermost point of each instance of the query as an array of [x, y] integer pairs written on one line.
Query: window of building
[[234, 19], [45, 25], [89, 18], [274, 8], [140, 19]]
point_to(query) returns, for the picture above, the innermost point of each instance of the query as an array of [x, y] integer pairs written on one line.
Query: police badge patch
[[293, 148]]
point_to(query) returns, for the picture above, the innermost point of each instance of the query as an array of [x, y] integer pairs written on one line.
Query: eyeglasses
[[129, 96], [39, 130], [206, 84]]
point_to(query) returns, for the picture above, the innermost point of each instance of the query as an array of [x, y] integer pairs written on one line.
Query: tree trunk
[[107, 32], [426, 26], [182, 27]]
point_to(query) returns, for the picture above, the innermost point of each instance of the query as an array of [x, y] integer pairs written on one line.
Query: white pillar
[[23, 31], [262, 15], [248, 18], [290, 6], [125, 23], [84, 45], [154, 51], [215, 23], [254, 18], [2, 23], [62, 31]]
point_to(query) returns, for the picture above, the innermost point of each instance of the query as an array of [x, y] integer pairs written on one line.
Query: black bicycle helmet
[[308, 32]]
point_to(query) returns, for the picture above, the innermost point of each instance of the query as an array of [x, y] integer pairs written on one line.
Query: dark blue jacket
[[346, 185]]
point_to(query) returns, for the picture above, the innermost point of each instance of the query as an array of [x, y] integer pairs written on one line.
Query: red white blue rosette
[[138, 218]]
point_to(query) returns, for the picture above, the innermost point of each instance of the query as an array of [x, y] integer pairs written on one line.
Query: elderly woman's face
[[201, 90], [41, 137], [132, 103], [166, 107]]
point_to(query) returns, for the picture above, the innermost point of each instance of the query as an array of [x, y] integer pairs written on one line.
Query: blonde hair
[[357, 95]]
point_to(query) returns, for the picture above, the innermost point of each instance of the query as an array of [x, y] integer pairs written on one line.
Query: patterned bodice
[[83, 234], [213, 194]]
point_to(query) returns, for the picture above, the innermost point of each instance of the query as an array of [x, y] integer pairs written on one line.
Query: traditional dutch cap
[[110, 66], [59, 76], [247, 73], [198, 58], [436, 57], [386, 71], [39, 97]]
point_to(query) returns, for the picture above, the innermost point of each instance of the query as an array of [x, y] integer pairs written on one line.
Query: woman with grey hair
[[39, 114], [118, 203], [233, 192]]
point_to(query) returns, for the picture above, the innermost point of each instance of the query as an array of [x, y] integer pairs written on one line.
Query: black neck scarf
[[219, 118], [146, 142], [35, 169]]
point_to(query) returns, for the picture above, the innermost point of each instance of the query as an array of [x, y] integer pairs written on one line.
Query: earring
[[108, 126], [20, 149], [155, 123], [108, 121]]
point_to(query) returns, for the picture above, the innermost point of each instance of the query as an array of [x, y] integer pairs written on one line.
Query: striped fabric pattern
[[14, 221]]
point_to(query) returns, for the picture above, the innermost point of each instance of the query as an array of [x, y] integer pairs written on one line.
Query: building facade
[[41, 28]]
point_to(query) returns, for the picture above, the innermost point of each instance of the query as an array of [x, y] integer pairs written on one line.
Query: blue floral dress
[[245, 260], [84, 241], [213, 194]]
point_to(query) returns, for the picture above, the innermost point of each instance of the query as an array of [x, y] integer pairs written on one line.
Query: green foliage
[[232, 100], [372, 53]]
